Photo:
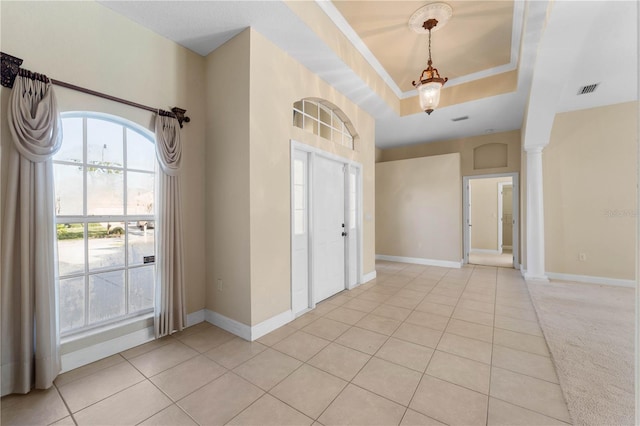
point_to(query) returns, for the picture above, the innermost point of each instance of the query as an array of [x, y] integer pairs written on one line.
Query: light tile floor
[[419, 345]]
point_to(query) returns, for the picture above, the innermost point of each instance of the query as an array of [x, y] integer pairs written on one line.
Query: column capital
[[534, 149]]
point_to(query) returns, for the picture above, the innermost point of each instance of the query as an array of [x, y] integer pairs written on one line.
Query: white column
[[535, 215]]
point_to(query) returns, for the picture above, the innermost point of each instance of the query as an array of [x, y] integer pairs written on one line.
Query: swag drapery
[[30, 341], [170, 310]]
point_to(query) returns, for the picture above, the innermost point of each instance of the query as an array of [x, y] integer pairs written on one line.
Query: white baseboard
[[485, 251], [368, 277], [267, 326], [195, 317], [105, 349], [247, 332], [592, 280], [421, 261], [228, 324]]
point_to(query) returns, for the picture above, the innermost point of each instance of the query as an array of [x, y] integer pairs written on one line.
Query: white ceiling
[[606, 54]]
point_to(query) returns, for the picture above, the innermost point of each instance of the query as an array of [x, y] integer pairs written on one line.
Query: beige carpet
[[590, 332]]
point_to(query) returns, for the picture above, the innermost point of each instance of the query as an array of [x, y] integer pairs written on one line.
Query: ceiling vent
[[590, 88], [465, 117]]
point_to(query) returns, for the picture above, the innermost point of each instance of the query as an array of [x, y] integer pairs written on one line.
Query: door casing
[[466, 231]]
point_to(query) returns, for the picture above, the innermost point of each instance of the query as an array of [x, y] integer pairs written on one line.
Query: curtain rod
[[10, 67]]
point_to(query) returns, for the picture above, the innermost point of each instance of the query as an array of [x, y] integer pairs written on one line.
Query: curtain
[[170, 310], [30, 339]]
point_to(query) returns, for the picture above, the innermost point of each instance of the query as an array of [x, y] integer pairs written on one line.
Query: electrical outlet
[[582, 257], [219, 284]]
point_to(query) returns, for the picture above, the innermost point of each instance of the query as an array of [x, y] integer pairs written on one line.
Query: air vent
[[590, 88], [466, 117]]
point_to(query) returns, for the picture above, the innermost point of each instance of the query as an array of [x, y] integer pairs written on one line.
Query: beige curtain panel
[[30, 339], [170, 310]]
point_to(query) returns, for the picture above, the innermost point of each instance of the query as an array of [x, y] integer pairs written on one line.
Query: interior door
[[329, 229]]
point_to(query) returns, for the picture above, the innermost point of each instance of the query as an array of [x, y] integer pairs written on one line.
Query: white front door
[[329, 228]]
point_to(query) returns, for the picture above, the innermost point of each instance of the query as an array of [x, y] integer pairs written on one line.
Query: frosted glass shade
[[429, 95]]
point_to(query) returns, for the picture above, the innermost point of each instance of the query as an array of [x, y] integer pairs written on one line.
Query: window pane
[[105, 191], [311, 125], [68, 188], [325, 131], [298, 105], [311, 109], [325, 116], [140, 193], [70, 248], [106, 296], [297, 119], [141, 288], [106, 245], [71, 303], [72, 142], [141, 152], [298, 172], [298, 197], [141, 241], [104, 143], [298, 222]]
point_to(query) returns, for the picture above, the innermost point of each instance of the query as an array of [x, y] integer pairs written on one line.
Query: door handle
[[344, 234]]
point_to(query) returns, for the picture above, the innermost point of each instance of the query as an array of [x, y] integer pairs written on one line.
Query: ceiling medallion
[[441, 12]]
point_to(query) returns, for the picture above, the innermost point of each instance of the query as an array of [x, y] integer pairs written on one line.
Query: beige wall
[[251, 88], [484, 212], [87, 44], [419, 208], [466, 147], [590, 169], [471, 152], [227, 179]]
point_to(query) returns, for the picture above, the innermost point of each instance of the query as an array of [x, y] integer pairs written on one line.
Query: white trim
[[341, 23], [228, 324], [247, 332], [421, 261], [102, 350], [267, 326], [368, 277], [466, 213], [195, 317], [592, 280], [487, 251]]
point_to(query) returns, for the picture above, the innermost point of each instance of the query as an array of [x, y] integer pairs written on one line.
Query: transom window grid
[[321, 120], [106, 232]]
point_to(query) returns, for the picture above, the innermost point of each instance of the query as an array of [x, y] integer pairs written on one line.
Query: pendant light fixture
[[430, 82]]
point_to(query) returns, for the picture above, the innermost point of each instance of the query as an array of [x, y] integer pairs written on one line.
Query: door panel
[[329, 222]]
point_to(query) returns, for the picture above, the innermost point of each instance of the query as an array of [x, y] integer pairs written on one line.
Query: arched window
[[104, 182], [324, 119]]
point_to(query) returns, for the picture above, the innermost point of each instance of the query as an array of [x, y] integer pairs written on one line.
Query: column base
[[535, 277]]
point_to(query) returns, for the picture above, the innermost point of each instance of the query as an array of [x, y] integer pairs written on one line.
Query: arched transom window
[[324, 119]]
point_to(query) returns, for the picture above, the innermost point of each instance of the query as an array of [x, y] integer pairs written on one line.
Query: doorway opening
[[326, 237], [490, 220]]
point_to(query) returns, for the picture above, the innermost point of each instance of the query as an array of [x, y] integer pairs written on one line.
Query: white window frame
[[339, 128]]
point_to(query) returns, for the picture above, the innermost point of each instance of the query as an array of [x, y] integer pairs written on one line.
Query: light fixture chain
[[430, 46]]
